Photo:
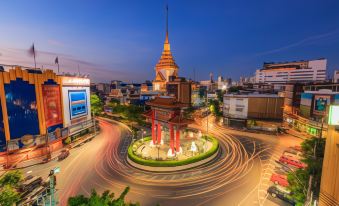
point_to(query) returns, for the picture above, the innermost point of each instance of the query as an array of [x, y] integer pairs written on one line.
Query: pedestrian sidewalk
[[54, 154]]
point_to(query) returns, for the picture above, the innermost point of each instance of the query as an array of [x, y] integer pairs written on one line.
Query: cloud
[[299, 43], [68, 64], [54, 42]]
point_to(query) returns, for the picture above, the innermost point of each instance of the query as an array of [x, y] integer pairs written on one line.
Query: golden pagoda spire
[[167, 44]]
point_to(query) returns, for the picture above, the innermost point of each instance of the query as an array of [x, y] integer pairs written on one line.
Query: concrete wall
[[265, 108]]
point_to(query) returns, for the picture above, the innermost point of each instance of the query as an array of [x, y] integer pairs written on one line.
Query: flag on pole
[[56, 61], [32, 52]]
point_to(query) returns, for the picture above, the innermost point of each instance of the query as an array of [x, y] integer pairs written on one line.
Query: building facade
[[37, 103], [298, 71], [238, 109], [336, 76], [329, 187]]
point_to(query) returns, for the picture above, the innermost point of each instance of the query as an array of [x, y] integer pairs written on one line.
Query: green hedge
[[170, 163]]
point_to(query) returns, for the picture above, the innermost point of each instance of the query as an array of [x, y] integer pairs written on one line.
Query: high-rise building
[[166, 66], [297, 71], [336, 76]]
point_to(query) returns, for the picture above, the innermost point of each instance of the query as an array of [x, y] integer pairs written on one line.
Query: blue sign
[[21, 109], [77, 103]]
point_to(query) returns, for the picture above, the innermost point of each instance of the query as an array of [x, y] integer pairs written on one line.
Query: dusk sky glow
[[124, 39]]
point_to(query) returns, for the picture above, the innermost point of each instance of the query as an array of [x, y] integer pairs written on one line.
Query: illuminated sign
[[75, 81], [333, 117], [52, 105], [77, 103], [320, 103]]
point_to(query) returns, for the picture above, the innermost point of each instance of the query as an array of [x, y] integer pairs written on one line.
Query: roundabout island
[[194, 151], [173, 145]]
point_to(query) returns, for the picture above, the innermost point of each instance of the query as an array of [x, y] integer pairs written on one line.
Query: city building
[[310, 116], [329, 193], [223, 84], [292, 97], [296, 71], [165, 67], [146, 87], [116, 84], [336, 76], [39, 106], [238, 109], [179, 88], [103, 88]]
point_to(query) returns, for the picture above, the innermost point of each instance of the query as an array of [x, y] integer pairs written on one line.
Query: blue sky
[[124, 39]]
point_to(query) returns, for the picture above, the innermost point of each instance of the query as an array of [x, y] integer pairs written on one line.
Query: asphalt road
[[236, 178]]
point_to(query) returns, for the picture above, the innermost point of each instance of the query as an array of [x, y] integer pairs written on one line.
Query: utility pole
[[94, 124]]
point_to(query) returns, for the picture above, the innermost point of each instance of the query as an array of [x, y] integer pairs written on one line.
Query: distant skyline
[[123, 40]]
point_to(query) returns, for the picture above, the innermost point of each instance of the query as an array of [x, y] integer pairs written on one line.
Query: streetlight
[[142, 134]]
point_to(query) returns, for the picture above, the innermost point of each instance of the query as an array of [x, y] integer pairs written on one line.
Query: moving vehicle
[[276, 193], [279, 179], [64, 153], [29, 184], [290, 160]]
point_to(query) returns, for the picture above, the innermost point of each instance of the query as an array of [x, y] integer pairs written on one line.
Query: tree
[[215, 107], [234, 89], [11, 178], [8, 183], [106, 199], [220, 95], [8, 196], [96, 104], [312, 154]]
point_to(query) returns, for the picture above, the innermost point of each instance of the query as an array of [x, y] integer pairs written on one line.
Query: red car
[[279, 179], [292, 161]]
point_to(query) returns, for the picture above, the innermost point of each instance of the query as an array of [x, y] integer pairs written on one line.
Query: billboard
[[333, 117], [336, 99], [77, 103], [2, 132], [21, 109], [306, 99], [52, 106], [320, 104]]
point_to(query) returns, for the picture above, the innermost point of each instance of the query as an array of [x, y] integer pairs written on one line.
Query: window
[[239, 109]]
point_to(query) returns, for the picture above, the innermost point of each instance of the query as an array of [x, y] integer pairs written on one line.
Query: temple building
[[166, 66], [167, 119]]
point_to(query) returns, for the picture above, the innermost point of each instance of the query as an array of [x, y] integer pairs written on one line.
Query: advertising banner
[[52, 105], [320, 104], [77, 103], [336, 99], [306, 99], [333, 117], [21, 109]]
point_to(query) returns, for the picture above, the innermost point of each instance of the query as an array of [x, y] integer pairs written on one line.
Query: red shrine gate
[[166, 112]]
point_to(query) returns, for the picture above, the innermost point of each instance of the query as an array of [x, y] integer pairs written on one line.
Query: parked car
[[64, 153], [293, 152], [276, 193], [292, 161], [279, 179]]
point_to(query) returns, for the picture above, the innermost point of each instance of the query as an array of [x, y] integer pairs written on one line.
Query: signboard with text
[[52, 105], [333, 116]]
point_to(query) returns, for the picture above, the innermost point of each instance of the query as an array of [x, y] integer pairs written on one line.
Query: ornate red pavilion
[[166, 114]]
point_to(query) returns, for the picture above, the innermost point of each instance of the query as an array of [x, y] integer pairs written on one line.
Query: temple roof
[[166, 60], [165, 102]]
